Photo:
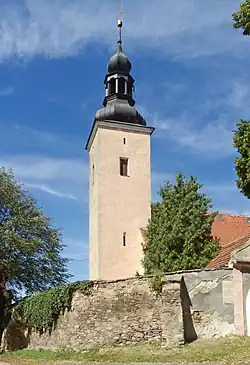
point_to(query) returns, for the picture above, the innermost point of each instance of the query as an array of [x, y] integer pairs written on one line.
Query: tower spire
[[119, 84], [119, 42], [120, 24]]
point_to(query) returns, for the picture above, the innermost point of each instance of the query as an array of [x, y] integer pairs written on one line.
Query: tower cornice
[[121, 126]]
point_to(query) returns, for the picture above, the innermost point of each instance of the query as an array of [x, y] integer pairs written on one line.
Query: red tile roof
[[229, 227], [223, 258], [233, 231]]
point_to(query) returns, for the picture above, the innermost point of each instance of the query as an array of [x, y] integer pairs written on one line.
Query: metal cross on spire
[[119, 22]]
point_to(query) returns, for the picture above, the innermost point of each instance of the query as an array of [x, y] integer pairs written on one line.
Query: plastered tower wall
[[119, 205], [93, 210]]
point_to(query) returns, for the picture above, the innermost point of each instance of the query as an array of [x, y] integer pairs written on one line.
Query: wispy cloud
[[206, 125], [187, 28], [213, 139], [55, 176], [226, 197], [47, 189], [43, 140], [76, 249], [46, 168], [238, 96], [7, 91]]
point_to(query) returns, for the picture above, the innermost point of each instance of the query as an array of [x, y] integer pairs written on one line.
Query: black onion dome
[[119, 62], [118, 102], [120, 111]]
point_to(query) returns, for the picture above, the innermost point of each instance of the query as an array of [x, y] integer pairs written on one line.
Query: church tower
[[119, 177]]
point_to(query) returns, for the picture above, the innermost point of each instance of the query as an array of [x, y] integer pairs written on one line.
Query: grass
[[231, 350]]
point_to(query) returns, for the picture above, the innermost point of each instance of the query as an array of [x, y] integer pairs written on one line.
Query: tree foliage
[[242, 17], [179, 232], [30, 247], [242, 162]]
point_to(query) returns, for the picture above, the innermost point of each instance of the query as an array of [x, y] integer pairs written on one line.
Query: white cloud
[[195, 129], [42, 140], [214, 139], [186, 28], [55, 176], [238, 96], [49, 190], [46, 168], [65, 177], [7, 91], [76, 249], [226, 197]]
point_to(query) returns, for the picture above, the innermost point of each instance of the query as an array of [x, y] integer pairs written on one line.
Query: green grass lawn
[[229, 350]]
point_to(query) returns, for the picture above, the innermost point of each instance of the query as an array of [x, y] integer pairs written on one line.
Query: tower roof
[[118, 104], [119, 110]]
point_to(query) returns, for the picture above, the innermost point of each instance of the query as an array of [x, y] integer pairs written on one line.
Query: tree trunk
[[2, 304]]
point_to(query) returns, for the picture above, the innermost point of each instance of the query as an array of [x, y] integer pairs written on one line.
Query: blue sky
[[192, 85]]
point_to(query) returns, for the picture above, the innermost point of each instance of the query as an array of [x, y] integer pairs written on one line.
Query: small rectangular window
[[124, 239], [123, 166], [124, 140]]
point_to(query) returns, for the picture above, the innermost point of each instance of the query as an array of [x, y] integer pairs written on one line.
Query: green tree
[[179, 232], [242, 17], [241, 136], [242, 162], [30, 247]]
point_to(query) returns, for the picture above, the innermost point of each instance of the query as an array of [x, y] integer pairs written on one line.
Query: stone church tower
[[119, 177]]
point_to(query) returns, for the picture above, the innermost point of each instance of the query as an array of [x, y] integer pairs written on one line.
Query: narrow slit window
[[124, 239], [124, 140], [123, 166], [93, 174]]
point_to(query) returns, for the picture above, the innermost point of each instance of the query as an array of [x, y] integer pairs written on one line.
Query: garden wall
[[194, 304], [124, 311]]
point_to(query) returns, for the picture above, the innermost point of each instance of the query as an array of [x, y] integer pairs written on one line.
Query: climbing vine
[[40, 312]]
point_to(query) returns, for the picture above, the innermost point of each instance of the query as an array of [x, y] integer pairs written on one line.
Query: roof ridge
[[230, 214], [233, 214]]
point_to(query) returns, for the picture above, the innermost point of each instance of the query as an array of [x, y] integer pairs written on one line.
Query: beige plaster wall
[[118, 204], [93, 209]]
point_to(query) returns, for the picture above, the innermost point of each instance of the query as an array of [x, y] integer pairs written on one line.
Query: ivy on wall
[[40, 311]]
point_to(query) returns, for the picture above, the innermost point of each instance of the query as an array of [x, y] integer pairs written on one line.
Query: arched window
[[112, 86], [121, 85]]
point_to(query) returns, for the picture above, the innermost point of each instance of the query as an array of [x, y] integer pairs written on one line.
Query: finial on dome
[[119, 63], [119, 42]]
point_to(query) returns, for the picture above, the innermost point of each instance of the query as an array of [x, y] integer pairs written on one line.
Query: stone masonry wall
[[117, 312], [193, 304]]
